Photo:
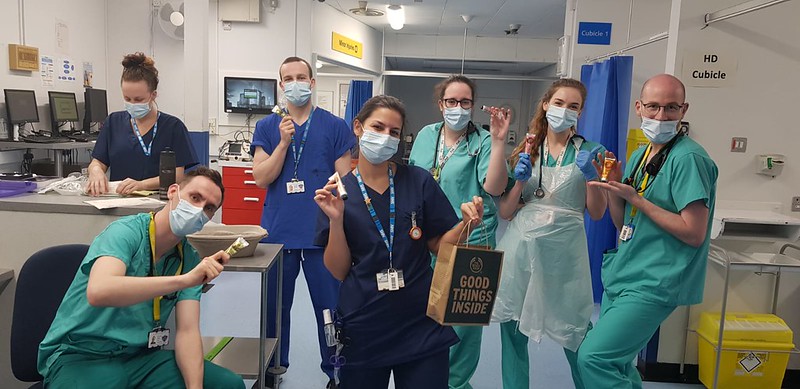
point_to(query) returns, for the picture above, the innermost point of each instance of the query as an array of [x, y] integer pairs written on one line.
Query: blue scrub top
[[119, 148], [388, 328], [290, 218]]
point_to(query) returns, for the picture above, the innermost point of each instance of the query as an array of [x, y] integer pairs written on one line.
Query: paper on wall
[[47, 70], [67, 70]]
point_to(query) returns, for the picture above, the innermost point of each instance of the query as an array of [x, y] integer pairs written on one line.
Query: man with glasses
[[109, 330], [663, 206]]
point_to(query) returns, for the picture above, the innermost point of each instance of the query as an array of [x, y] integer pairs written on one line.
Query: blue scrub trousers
[[429, 373], [515, 361], [324, 291], [626, 324]]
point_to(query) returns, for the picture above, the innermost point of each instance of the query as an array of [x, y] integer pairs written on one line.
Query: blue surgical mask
[[457, 118], [138, 111], [561, 119], [377, 148], [659, 132], [297, 92], [186, 219]]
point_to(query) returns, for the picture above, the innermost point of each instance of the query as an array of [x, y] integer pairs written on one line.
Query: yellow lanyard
[[646, 176], [157, 300]]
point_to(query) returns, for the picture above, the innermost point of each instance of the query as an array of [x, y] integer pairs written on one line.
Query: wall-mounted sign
[[709, 68], [593, 33], [347, 46]]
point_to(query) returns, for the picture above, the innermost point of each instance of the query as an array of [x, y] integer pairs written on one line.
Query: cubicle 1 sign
[[709, 68], [593, 33]]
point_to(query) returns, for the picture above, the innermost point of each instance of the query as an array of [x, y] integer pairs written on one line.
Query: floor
[[549, 368]]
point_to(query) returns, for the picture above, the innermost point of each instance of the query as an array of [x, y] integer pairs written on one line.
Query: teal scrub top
[[111, 331], [463, 175], [654, 264], [571, 152]]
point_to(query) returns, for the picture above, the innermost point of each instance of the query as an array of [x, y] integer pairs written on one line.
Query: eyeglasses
[[452, 103], [653, 108]]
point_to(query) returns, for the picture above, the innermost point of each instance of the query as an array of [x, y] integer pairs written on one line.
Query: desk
[[237, 355], [6, 275], [58, 148]]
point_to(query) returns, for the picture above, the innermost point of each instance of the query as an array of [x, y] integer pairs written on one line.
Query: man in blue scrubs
[[663, 206], [294, 156]]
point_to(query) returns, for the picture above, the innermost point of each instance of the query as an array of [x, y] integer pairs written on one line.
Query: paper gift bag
[[464, 285]]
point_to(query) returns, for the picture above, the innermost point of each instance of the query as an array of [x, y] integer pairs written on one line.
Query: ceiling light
[[396, 15]]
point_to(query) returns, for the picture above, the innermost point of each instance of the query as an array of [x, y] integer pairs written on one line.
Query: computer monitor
[[250, 95], [96, 104], [21, 106], [63, 106]]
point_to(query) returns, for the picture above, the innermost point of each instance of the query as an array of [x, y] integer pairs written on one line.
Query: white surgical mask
[[186, 219], [137, 111], [297, 92], [457, 118], [659, 132], [561, 119], [377, 148]]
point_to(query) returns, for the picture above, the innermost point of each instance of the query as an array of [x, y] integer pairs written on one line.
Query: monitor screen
[[63, 107], [234, 148], [250, 95], [21, 106], [96, 105]]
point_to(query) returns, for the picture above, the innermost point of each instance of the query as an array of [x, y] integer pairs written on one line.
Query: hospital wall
[[85, 40]]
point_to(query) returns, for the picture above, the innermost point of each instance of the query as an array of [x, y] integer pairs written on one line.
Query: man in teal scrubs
[[663, 206], [466, 162], [108, 331]]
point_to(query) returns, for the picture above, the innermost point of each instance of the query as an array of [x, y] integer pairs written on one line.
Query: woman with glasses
[[466, 161], [545, 288]]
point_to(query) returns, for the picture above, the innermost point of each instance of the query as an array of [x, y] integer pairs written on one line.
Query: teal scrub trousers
[[626, 324], [149, 369], [516, 363], [464, 356]]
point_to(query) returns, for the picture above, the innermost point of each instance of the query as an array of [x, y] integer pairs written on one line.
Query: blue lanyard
[[149, 148], [298, 153], [389, 242]]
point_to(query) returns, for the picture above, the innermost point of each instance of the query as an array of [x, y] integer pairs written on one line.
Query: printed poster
[[88, 74], [66, 70], [47, 70]]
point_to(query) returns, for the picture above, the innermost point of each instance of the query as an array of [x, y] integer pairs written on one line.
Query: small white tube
[[339, 186]]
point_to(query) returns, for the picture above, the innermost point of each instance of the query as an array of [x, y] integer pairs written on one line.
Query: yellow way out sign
[[347, 46]]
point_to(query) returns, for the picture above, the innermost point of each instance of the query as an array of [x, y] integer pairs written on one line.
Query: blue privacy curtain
[[360, 92], [605, 120]]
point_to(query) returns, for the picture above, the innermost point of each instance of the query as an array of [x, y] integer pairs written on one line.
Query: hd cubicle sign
[[709, 68], [593, 33], [347, 46]]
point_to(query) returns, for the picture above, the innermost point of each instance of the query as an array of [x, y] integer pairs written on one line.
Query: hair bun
[[138, 59]]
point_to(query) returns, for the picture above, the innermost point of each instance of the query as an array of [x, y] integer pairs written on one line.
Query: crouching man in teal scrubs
[[108, 331], [663, 206]]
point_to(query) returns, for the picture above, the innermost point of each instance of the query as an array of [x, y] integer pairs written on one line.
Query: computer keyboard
[[43, 139], [84, 137]]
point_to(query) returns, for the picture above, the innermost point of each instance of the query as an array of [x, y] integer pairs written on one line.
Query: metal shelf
[[239, 354]]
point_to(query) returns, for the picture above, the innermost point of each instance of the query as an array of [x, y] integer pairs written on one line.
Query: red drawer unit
[[244, 201]]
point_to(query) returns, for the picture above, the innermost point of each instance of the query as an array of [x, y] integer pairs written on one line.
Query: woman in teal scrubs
[[545, 287], [466, 161]]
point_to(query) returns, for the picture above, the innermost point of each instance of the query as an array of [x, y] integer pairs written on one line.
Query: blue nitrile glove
[[523, 170], [584, 161]]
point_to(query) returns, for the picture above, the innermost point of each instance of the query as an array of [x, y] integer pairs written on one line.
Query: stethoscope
[[470, 129], [539, 192]]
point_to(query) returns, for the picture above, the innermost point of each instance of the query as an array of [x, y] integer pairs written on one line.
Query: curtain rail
[[738, 10], [654, 38]]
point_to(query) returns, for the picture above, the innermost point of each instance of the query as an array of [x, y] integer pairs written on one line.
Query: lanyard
[[149, 148], [645, 177], [389, 242], [157, 300], [560, 159], [441, 158], [297, 153]]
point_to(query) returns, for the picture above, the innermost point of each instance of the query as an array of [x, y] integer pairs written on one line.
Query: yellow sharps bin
[[761, 343], [636, 139]]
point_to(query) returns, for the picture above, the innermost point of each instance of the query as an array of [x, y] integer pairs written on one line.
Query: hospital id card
[[295, 186], [626, 233], [390, 279], [158, 337]]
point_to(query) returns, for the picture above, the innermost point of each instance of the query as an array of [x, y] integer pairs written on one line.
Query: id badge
[[158, 337], [295, 186], [390, 280], [626, 233]]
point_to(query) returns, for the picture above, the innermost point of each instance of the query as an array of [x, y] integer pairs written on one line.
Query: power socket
[[796, 204], [212, 126]]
